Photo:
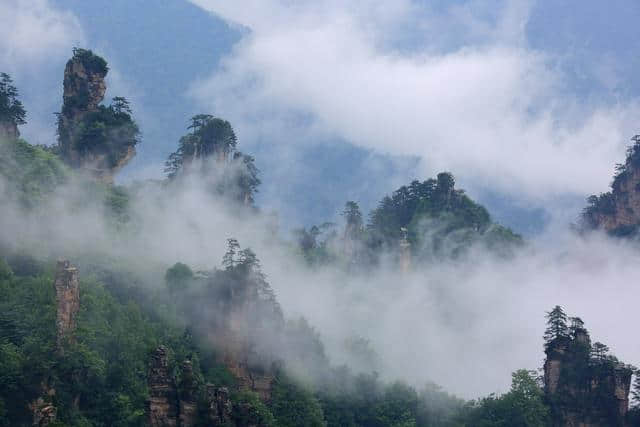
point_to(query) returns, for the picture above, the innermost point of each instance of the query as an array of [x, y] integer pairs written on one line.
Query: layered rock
[[44, 413], [188, 401], [67, 301], [9, 130], [162, 406], [618, 211], [101, 154], [219, 410], [582, 391]]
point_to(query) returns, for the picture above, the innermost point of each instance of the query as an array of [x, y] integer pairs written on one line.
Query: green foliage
[[178, 277], [249, 410], [439, 220], [556, 325], [11, 109], [109, 131], [605, 204], [104, 369], [29, 172], [209, 149], [91, 62], [294, 406], [522, 406]]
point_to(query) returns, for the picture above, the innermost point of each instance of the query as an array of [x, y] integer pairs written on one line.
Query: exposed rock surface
[[188, 396], [9, 130], [44, 412], [618, 211], [67, 301], [238, 343], [219, 411], [84, 90], [162, 406], [189, 403], [581, 391]]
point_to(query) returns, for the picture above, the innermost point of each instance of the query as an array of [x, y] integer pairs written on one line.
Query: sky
[[529, 104]]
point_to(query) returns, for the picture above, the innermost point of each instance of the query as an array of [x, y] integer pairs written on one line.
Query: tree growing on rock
[[209, 149], [556, 325], [11, 109]]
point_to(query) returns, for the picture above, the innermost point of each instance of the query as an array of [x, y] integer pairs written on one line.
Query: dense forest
[[94, 335]]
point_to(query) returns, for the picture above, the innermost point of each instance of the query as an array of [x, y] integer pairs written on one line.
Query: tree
[[445, 183], [635, 392], [229, 259], [599, 351], [120, 105], [576, 325], [353, 218], [11, 109], [522, 406], [178, 277], [556, 325]]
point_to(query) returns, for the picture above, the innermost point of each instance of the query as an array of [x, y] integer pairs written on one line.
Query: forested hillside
[[115, 311]]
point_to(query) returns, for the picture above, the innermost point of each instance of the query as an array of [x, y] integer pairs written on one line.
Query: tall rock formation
[[12, 112], [188, 402], [67, 301], [8, 130], [219, 411], [92, 137], [162, 406], [618, 211], [584, 391]]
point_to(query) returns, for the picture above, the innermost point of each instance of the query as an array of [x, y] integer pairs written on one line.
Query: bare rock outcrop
[[618, 211], [188, 401], [44, 412], [219, 411], [67, 301], [583, 391], [94, 138], [162, 406], [9, 130]]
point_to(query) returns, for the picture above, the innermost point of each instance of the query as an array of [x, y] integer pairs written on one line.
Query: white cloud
[[470, 98], [33, 31]]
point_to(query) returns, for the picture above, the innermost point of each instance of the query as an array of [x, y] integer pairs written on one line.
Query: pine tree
[[599, 351], [11, 109], [229, 260], [556, 325], [576, 325], [635, 392]]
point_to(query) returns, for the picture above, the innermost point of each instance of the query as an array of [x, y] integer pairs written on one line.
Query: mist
[[464, 324]]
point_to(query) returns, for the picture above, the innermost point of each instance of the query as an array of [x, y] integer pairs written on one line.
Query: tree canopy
[[11, 109]]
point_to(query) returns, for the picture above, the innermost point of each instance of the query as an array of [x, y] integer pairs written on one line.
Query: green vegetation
[[522, 406], [11, 109], [228, 319], [105, 368], [29, 173], [108, 131], [209, 150], [604, 205], [91, 62], [434, 218]]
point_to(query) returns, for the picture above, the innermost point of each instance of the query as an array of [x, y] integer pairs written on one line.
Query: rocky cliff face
[[618, 211], [162, 406], [582, 391], [67, 299], [188, 401], [219, 411], [67, 306], [9, 130], [83, 142], [186, 404]]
